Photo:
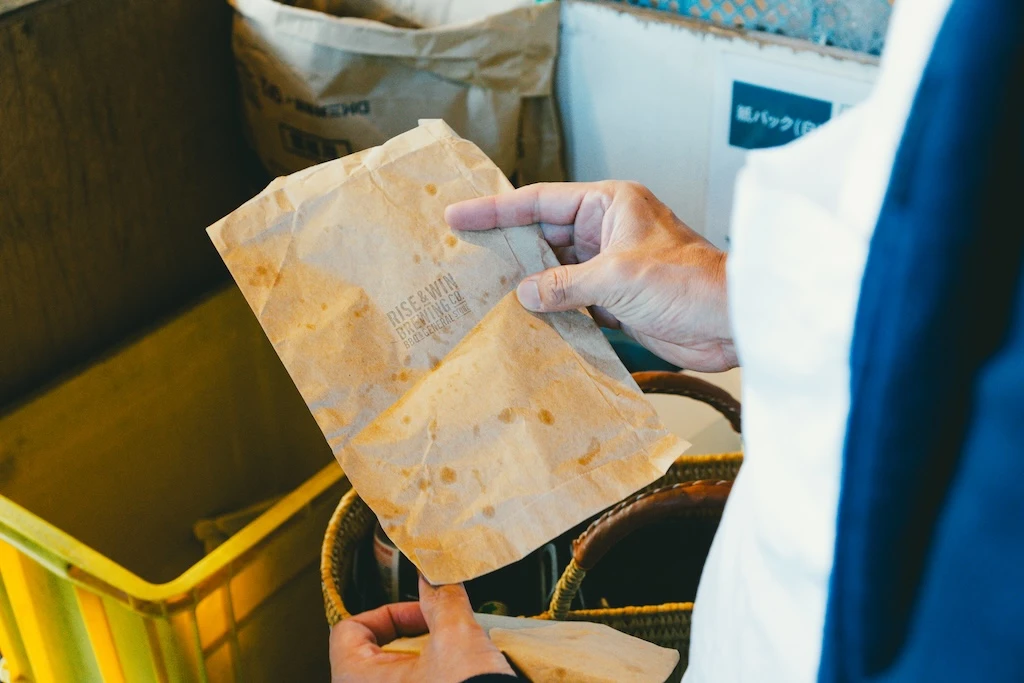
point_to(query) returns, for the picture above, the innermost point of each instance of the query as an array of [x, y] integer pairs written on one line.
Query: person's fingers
[[565, 288], [446, 608], [457, 642], [555, 203], [383, 624], [557, 235], [603, 318], [352, 644], [565, 255], [711, 355]]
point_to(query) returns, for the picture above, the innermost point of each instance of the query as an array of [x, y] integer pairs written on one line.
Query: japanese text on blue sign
[[764, 117]]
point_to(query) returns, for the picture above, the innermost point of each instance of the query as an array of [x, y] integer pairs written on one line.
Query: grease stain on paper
[[593, 450]]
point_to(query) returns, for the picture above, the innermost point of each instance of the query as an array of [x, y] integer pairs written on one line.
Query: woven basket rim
[[332, 591], [663, 608]]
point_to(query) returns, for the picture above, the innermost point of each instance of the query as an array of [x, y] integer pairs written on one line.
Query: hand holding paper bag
[[391, 643], [474, 429], [628, 258]]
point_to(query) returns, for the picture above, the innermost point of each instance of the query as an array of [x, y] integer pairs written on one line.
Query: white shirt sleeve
[[802, 222]]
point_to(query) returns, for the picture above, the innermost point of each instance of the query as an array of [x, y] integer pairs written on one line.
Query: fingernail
[[529, 295], [448, 215]]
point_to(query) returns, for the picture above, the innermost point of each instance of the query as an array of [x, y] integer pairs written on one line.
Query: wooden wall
[[120, 141]]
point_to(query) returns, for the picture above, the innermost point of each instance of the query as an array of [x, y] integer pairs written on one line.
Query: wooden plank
[[120, 141]]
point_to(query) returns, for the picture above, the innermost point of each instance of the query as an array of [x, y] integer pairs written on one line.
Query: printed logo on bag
[[428, 311], [312, 146], [335, 110], [764, 117]]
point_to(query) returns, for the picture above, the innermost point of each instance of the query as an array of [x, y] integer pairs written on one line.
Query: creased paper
[[324, 78], [577, 652], [581, 652], [474, 429]]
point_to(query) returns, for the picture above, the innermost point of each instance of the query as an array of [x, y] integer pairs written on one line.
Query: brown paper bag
[[580, 652], [573, 652], [474, 429], [325, 78]]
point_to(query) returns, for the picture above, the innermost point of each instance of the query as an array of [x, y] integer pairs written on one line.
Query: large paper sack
[[325, 78], [474, 429]]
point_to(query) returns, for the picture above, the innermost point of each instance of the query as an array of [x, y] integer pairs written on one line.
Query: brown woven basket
[[666, 625]]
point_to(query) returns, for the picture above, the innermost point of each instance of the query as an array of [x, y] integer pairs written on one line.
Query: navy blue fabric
[[928, 581]]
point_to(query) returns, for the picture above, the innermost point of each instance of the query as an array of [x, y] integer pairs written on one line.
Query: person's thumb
[[458, 648], [446, 607], [563, 288]]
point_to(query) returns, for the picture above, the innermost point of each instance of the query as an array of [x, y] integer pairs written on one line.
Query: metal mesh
[[851, 24]]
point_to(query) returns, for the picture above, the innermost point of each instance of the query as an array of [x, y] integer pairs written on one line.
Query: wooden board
[[120, 141]]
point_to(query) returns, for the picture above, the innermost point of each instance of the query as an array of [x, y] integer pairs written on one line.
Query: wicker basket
[[685, 490], [667, 624]]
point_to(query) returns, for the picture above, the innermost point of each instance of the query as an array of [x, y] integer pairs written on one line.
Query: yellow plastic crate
[[101, 481]]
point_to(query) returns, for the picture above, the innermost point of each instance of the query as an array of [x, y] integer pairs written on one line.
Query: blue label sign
[[764, 117]]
